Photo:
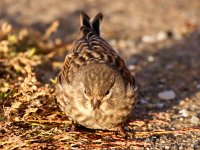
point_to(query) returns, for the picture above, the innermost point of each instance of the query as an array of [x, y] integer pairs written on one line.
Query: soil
[[160, 43]]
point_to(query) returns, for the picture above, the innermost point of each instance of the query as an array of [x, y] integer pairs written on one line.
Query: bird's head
[[99, 83]]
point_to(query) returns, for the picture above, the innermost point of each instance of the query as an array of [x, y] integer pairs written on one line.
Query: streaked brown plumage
[[95, 89]]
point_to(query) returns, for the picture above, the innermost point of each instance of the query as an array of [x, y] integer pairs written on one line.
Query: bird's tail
[[87, 25]]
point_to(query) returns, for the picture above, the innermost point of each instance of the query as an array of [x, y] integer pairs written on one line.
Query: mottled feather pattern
[[95, 88], [89, 49]]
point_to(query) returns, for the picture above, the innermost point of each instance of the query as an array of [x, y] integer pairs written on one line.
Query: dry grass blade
[[162, 56], [53, 28]]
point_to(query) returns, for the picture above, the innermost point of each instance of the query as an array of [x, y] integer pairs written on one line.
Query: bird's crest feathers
[[88, 25]]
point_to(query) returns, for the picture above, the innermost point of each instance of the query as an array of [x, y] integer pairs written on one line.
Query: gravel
[[160, 42]]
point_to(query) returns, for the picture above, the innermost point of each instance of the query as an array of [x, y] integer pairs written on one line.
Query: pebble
[[148, 39], [122, 43], [198, 86], [150, 58], [180, 147], [131, 67], [180, 119], [160, 105], [177, 35], [167, 147], [167, 95], [161, 36], [143, 101], [195, 120], [131, 61], [184, 113]]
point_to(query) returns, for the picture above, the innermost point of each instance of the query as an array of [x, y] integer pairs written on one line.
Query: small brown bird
[[95, 89]]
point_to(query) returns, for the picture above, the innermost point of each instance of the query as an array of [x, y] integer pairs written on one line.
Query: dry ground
[[160, 42]]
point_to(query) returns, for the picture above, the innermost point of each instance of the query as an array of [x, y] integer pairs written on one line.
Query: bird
[[95, 89]]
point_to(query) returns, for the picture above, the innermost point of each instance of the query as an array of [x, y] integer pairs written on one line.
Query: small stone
[[16, 105], [167, 147], [160, 105], [37, 102], [150, 58], [122, 43], [34, 87], [132, 61], [184, 113], [182, 103], [167, 95], [16, 119], [161, 36], [177, 35], [181, 119], [180, 147], [148, 39], [198, 86], [143, 101], [131, 67], [195, 120]]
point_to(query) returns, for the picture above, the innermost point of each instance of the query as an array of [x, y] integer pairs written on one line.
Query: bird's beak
[[95, 103]]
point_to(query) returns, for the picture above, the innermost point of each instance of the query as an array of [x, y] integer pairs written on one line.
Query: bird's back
[[91, 48]]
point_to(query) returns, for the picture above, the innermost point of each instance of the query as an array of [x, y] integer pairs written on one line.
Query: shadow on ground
[[174, 68], [65, 31]]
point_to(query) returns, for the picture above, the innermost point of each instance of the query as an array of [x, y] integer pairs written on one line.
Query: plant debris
[[163, 59]]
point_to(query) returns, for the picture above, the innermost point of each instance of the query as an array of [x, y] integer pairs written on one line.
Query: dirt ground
[[160, 43]]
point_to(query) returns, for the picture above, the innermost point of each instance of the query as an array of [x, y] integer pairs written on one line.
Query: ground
[[160, 43]]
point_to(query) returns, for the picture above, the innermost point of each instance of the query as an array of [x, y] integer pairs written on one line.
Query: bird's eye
[[107, 92]]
